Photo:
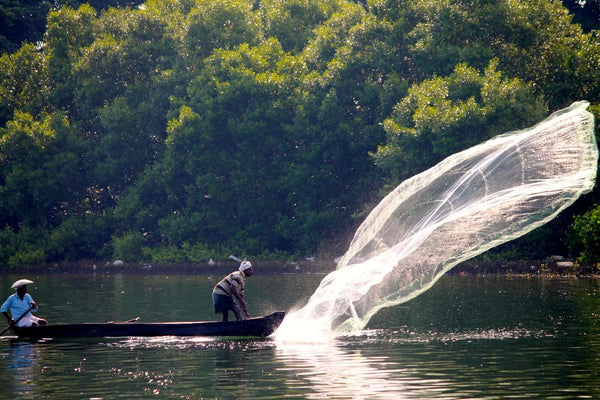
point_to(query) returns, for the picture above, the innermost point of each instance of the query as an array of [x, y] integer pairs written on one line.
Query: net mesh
[[470, 202]]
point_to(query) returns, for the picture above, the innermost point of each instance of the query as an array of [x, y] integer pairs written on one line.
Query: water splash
[[470, 202]]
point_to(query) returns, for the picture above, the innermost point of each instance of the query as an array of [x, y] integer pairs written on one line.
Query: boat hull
[[258, 327]]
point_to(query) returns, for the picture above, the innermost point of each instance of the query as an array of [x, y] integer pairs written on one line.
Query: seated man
[[230, 287], [20, 306]]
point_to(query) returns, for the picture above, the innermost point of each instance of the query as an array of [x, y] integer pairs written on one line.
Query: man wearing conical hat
[[21, 305]]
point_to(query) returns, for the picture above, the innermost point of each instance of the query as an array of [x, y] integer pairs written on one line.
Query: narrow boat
[[259, 327]]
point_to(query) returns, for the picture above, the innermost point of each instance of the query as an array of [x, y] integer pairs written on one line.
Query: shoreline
[[525, 268]]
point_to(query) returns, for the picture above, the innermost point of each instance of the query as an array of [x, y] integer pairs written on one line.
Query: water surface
[[467, 337]]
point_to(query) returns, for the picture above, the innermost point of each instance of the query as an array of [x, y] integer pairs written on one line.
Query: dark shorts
[[222, 303]]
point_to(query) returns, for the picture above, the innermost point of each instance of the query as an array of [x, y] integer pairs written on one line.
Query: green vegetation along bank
[[179, 131]]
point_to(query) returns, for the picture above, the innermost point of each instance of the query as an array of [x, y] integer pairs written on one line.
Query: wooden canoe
[[259, 327]]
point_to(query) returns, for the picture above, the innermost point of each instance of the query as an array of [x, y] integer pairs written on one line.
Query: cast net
[[470, 202]]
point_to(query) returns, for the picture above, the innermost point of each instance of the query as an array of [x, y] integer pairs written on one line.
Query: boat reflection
[[21, 360]]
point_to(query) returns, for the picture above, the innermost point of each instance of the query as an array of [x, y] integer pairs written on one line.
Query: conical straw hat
[[21, 282]]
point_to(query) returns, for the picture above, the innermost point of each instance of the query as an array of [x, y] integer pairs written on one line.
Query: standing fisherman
[[230, 287], [20, 306]]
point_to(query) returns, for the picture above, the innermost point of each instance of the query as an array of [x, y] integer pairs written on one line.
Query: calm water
[[467, 337]]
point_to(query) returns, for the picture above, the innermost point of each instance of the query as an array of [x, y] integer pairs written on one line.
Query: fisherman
[[230, 287], [20, 306]]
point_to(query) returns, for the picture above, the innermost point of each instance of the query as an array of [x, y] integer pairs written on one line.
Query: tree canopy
[[182, 130]]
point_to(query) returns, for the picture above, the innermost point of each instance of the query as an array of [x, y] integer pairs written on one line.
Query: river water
[[467, 337]]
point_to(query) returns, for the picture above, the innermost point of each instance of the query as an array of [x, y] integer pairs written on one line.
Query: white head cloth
[[245, 265]]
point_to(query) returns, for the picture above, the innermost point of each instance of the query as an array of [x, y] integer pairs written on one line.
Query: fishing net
[[470, 202]]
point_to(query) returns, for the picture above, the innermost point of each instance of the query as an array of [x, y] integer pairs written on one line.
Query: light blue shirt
[[17, 306]]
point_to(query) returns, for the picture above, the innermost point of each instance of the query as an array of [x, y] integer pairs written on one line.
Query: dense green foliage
[[25, 20], [181, 130]]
